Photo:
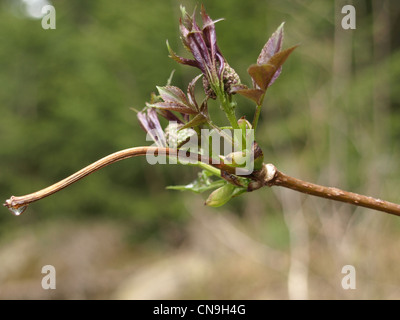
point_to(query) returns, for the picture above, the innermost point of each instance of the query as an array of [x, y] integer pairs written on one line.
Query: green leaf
[[201, 184]]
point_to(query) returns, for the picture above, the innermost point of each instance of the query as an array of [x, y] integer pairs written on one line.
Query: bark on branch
[[278, 178], [269, 175]]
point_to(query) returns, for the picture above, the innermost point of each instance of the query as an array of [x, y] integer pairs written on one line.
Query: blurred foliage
[[65, 97]]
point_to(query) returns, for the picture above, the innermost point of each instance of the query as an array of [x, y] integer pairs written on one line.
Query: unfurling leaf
[[181, 60], [190, 92], [201, 184], [264, 75], [273, 46]]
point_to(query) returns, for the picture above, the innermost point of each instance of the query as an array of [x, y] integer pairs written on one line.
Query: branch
[[269, 175], [274, 177], [17, 205]]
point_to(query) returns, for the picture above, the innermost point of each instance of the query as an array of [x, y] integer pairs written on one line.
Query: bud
[[220, 196], [244, 124], [219, 77]]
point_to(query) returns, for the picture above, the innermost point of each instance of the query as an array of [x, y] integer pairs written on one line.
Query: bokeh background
[[333, 117]]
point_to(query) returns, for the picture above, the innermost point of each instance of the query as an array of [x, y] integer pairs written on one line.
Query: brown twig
[[18, 204], [268, 176], [276, 178]]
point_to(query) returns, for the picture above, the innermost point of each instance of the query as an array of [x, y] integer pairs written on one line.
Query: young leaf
[[265, 75], [190, 92], [173, 106], [170, 116], [149, 122], [253, 94], [196, 121], [173, 94], [273, 46], [197, 187], [201, 184], [279, 58], [262, 74], [182, 60]]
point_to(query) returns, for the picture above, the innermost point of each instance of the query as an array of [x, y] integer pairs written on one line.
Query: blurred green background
[[333, 118]]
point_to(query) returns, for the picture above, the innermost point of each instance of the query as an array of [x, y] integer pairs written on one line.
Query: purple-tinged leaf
[[275, 76], [184, 32], [170, 116], [143, 121], [273, 46], [209, 32], [150, 123], [236, 87], [204, 108], [252, 94], [279, 58], [264, 75], [173, 94], [190, 92], [187, 19], [222, 64], [173, 106], [182, 60], [199, 50]]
